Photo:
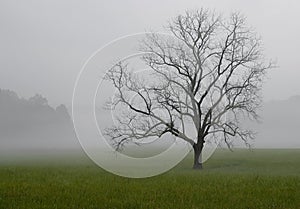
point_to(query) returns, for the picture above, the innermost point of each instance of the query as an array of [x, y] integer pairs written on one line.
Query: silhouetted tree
[[210, 75]]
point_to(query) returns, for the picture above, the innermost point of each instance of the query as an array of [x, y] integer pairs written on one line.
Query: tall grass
[[242, 179]]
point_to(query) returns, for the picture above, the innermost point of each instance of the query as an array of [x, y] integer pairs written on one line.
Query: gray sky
[[45, 43]]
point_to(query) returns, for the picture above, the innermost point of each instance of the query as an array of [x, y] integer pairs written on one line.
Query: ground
[[240, 179]]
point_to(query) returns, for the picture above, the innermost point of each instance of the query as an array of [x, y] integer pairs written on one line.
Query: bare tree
[[210, 75]]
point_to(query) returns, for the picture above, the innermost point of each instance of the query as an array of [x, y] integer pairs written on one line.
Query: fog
[[44, 44], [32, 124]]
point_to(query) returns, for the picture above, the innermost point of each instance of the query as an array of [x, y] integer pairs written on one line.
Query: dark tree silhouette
[[210, 75]]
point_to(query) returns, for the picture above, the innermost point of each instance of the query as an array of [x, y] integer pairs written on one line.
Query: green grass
[[242, 179]]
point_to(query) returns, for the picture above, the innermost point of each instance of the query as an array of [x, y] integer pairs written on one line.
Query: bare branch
[[210, 74]]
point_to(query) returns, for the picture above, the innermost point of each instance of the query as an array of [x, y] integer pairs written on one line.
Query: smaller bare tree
[[213, 68]]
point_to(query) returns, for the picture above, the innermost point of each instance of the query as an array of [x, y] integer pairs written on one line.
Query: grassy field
[[240, 179]]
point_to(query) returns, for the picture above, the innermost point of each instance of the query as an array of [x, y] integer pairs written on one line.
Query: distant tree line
[[33, 120]]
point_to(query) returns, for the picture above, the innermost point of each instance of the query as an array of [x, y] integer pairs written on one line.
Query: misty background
[[44, 44]]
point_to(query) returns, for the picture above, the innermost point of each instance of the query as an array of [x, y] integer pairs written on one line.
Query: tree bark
[[198, 156]]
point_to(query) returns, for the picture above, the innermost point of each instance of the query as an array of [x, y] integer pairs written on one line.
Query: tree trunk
[[198, 156]]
